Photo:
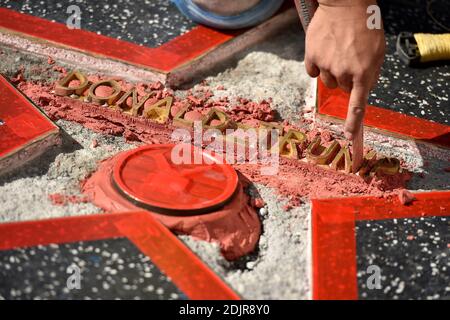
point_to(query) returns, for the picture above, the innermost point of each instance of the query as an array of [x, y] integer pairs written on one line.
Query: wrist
[[342, 11]]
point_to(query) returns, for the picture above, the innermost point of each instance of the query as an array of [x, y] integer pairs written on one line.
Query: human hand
[[345, 53]]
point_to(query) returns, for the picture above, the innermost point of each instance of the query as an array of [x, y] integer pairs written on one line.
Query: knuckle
[[358, 111]]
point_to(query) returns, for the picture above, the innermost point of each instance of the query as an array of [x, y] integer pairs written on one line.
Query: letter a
[[374, 20], [374, 281], [74, 281]]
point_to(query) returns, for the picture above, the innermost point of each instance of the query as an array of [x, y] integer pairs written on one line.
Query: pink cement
[[296, 179], [236, 227]]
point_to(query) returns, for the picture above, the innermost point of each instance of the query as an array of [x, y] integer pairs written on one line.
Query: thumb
[[356, 110]]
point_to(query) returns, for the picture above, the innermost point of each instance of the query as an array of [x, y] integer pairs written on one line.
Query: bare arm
[[345, 53]]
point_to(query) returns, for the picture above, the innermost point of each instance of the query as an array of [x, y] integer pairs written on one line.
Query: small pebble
[[263, 212]]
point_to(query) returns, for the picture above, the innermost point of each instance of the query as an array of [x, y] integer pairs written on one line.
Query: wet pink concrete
[[296, 179], [235, 227]]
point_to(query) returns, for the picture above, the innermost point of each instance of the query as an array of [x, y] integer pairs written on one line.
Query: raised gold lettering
[[160, 111], [112, 98], [136, 104], [318, 154], [288, 144], [342, 161], [216, 119], [63, 87]]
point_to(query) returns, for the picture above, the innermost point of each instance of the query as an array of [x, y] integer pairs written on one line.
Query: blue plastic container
[[262, 11]]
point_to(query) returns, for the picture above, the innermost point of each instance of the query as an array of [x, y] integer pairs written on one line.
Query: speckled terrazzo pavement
[[420, 92], [412, 256], [279, 267], [109, 269], [147, 22]]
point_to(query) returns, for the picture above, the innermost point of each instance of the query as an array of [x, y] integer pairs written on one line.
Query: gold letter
[[109, 99], [288, 144], [389, 166], [318, 154], [218, 115], [158, 113], [62, 86], [179, 120], [342, 159], [367, 165], [135, 105]]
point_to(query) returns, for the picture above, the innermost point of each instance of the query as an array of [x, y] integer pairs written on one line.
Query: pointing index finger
[[356, 110], [354, 129]]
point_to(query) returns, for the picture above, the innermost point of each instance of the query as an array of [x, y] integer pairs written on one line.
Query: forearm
[[306, 9], [346, 50]]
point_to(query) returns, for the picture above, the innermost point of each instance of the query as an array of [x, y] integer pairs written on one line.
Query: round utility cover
[[148, 177]]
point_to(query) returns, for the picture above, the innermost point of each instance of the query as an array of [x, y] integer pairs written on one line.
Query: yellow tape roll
[[433, 47]]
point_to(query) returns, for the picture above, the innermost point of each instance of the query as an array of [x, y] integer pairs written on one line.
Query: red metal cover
[[149, 177]]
